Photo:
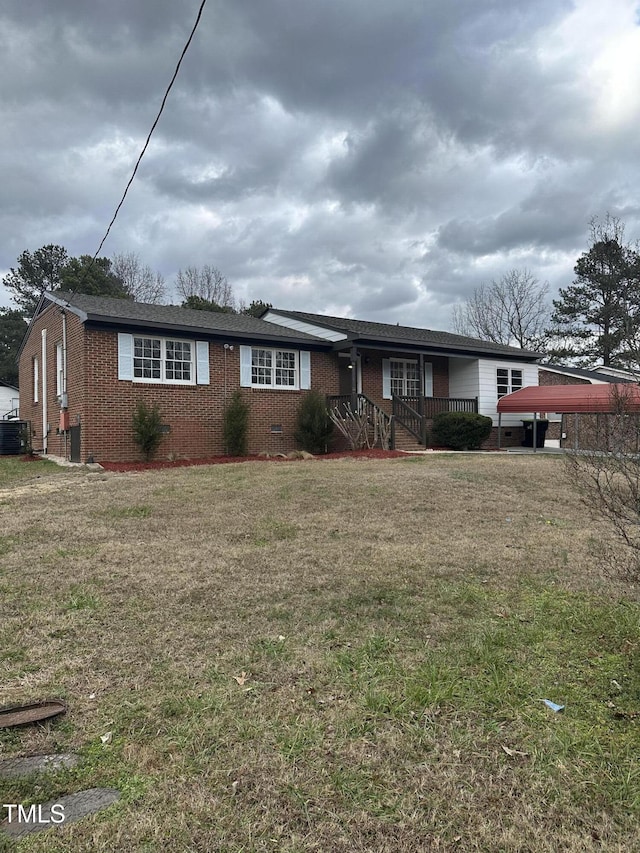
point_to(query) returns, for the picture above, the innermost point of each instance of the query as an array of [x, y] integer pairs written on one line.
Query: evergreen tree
[[256, 308], [36, 272], [197, 303], [84, 275], [597, 316], [12, 331]]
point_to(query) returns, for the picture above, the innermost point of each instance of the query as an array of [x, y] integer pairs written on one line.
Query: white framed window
[[162, 360], [508, 380], [59, 369], [275, 368], [401, 378], [143, 358], [405, 377], [36, 379]]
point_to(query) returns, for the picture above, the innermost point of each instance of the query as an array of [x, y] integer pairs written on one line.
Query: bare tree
[[513, 311], [206, 283], [139, 279], [606, 471]]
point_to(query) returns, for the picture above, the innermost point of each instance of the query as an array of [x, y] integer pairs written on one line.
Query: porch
[[409, 418]]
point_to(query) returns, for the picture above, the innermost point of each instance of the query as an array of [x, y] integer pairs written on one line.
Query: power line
[[146, 144]]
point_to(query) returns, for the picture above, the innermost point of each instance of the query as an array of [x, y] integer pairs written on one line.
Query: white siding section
[[308, 328], [464, 377], [8, 399], [488, 391]]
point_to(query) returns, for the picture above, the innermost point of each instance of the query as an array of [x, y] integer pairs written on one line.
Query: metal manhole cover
[[22, 715]]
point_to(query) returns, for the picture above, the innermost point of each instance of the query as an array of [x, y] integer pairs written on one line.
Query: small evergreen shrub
[[460, 430], [147, 428], [236, 425], [26, 443], [314, 426]]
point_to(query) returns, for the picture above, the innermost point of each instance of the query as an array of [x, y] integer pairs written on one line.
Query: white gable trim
[[308, 328]]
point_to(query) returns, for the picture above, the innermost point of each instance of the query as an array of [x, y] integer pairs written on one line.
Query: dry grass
[[330, 656]]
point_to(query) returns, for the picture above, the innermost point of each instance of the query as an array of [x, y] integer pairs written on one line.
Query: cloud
[[375, 158]]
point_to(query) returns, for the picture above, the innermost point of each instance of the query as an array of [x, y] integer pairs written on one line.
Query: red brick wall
[[51, 320], [194, 413], [546, 377]]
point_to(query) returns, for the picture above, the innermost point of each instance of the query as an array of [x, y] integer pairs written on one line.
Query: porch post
[[575, 430], [499, 429], [354, 379], [423, 392], [535, 432]]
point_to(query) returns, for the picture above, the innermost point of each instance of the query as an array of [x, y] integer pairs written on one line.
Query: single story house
[[9, 401], [86, 361]]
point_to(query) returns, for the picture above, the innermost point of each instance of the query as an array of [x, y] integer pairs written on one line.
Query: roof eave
[[440, 348], [106, 321]]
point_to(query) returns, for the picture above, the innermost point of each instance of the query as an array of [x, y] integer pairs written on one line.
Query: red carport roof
[[571, 398]]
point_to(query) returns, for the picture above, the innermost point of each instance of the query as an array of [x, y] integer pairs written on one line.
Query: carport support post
[[499, 428], [575, 431], [535, 432]]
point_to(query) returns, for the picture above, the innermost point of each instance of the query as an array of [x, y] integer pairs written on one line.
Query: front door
[[345, 373]]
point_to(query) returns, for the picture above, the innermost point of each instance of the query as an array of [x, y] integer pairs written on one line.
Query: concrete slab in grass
[[58, 812]]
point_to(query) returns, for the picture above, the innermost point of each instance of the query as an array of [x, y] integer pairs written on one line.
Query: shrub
[[460, 430], [147, 428], [314, 426], [236, 425]]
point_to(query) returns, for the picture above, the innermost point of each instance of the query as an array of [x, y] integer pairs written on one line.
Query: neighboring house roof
[[571, 398], [594, 376], [364, 331], [106, 311]]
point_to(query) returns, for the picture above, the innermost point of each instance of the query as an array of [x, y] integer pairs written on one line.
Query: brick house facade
[[86, 362]]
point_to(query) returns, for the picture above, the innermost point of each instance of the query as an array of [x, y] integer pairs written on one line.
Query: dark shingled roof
[[582, 372], [387, 332], [125, 312]]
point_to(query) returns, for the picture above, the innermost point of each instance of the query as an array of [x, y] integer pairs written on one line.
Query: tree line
[[594, 321], [124, 276]]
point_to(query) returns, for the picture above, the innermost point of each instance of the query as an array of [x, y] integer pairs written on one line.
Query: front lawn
[[345, 656]]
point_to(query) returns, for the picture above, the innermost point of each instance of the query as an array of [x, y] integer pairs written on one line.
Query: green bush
[[460, 430], [314, 426], [147, 428], [236, 425]]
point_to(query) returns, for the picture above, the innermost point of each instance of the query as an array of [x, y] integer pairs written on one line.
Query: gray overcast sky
[[371, 158]]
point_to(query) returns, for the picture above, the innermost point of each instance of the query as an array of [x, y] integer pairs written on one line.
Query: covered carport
[[573, 400]]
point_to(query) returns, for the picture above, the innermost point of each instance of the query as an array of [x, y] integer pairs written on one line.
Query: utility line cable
[[146, 144]]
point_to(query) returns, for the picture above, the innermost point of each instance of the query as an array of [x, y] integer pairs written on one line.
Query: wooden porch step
[[406, 440]]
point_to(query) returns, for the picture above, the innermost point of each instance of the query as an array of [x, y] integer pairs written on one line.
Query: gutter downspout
[[64, 401], [45, 423]]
